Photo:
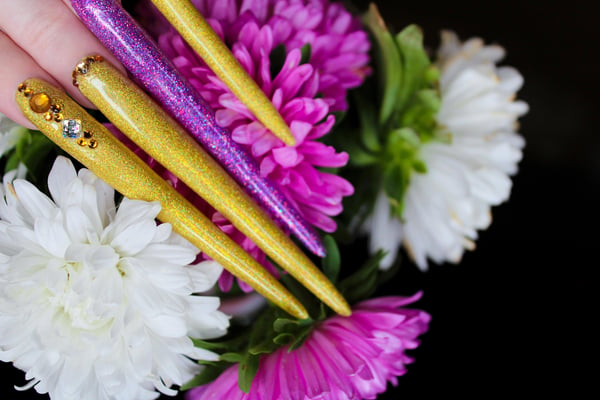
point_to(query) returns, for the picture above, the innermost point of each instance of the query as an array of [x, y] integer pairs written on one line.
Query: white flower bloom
[[96, 302], [445, 207], [10, 133]]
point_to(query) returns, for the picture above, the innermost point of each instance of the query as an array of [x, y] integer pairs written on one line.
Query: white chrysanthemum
[[445, 207], [10, 133], [96, 302]]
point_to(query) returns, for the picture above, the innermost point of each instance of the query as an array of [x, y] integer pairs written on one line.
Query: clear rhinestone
[[71, 128]]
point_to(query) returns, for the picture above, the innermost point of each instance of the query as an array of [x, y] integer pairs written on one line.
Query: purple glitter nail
[[134, 48]]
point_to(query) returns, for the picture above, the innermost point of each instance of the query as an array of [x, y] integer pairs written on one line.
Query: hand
[[42, 39]]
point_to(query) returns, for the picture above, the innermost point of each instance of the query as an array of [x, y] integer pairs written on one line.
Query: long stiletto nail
[[141, 56], [64, 122], [192, 26], [136, 115]]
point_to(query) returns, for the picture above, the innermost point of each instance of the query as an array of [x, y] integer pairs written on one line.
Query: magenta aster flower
[[304, 93], [343, 358]]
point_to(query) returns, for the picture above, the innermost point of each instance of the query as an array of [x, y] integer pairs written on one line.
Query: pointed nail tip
[[288, 138], [346, 312], [313, 244], [341, 307], [298, 312]]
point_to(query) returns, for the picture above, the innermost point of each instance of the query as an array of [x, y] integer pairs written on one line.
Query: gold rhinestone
[[40, 103], [87, 134], [55, 108], [48, 116], [27, 92], [21, 87], [93, 144], [82, 68], [82, 142], [58, 117]]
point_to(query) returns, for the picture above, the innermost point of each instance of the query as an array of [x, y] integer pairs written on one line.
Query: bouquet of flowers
[[400, 153]]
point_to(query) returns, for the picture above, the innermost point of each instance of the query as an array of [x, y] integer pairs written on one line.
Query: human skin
[[42, 39]]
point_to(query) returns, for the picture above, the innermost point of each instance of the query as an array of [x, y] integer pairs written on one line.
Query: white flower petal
[[445, 207], [96, 302]]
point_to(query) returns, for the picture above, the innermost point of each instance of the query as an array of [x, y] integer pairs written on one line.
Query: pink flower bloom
[[343, 358], [338, 62]]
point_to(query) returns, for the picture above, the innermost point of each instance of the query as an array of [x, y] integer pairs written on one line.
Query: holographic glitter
[[132, 46], [119, 167], [192, 26], [136, 115]]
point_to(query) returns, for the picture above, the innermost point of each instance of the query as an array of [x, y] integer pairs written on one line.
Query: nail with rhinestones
[[135, 114], [132, 46], [120, 168]]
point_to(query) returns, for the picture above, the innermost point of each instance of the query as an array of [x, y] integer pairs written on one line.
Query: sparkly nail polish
[[88, 141], [137, 116], [152, 70]]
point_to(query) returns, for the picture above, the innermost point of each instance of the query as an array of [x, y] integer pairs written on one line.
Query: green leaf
[[388, 60], [247, 371], [214, 346], [306, 51], [299, 340], [395, 183], [283, 339], [421, 114], [277, 59], [363, 283], [331, 263], [358, 156], [369, 128], [231, 357], [284, 324], [207, 375], [415, 63], [33, 150]]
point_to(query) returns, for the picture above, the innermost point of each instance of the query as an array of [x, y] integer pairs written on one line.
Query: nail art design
[[88, 141], [151, 69], [192, 26], [136, 115]]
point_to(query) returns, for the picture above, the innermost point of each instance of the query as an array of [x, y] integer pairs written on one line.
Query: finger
[[15, 67], [53, 36]]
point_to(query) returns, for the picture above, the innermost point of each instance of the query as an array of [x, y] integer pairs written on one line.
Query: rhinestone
[[93, 144], [48, 116], [39, 103], [71, 128], [55, 108]]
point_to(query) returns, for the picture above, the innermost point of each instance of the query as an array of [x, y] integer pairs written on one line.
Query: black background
[[516, 315]]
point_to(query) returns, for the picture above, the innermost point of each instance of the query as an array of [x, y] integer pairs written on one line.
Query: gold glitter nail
[[134, 113], [119, 167], [192, 26]]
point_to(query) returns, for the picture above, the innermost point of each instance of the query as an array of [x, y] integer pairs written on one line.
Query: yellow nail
[[192, 26], [141, 119], [88, 141]]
